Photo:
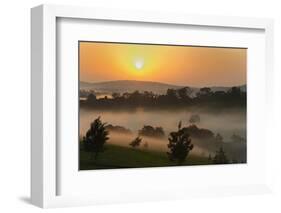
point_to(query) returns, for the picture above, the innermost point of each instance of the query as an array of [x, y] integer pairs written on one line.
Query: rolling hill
[[122, 86]]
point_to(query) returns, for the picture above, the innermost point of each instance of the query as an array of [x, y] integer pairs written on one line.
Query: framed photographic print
[[149, 105], [153, 106]]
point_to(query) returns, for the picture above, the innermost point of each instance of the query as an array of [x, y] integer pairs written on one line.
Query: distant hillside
[[128, 86], [122, 86], [214, 89]]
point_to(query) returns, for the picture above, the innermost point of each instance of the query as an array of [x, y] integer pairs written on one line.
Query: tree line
[[183, 97]]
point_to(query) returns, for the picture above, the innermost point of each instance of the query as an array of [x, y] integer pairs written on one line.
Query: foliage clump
[[194, 119], [220, 157], [136, 142], [150, 131], [200, 133], [118, 129], [179, 145], [95, 138]]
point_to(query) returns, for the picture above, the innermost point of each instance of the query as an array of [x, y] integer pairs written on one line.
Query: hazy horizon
[[167, 83], [175, 65]]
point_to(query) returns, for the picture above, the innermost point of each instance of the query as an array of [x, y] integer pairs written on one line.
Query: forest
[[174, 98]]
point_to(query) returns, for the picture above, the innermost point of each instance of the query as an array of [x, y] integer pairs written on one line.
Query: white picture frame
[[44, 150]]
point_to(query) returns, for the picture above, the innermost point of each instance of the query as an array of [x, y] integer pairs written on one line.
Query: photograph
[[160, 105]]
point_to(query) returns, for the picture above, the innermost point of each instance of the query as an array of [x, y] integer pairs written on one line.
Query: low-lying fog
[[225, 123]]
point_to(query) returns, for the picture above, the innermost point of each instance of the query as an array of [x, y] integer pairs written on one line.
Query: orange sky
[[180, 65]]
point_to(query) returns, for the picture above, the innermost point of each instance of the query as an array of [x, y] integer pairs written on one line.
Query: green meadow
[[117, 157]]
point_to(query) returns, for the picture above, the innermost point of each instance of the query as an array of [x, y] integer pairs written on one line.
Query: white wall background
[[15, 104]]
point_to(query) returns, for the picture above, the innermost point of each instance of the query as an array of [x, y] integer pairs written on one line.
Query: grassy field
[[115, 157]]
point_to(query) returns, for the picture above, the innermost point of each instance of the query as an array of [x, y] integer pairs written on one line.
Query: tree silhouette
[[210, 158], [206, 90], [136, 142], [194, 119], [179, 145], [184, 93], [150, 131], [116, 95], [91, 98], [173, 98], [238, 139], [235, 91], [220, 157], [171, 94], [96, 137], [200, 133], [118, 129], [219, 138]]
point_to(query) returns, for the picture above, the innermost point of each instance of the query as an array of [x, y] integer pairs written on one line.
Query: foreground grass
[[115, 157]]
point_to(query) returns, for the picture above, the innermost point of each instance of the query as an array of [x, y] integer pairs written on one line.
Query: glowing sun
[[138, 63]]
